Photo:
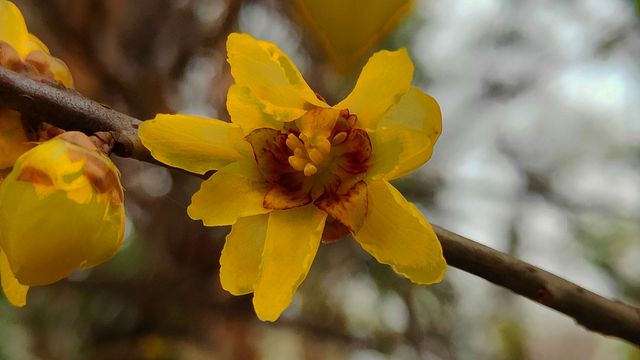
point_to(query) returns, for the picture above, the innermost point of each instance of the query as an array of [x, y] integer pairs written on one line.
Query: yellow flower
[[367, 26], [61, 209], [293, 170], [22, 52]]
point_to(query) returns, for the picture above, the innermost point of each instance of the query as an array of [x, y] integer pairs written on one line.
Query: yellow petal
[[271, 76], [349, 208], [292, 240], [248, 112], [383, 80], [242, 254], [328, 20], [396, 233], [406, 135], [108, 235], [318, 123], [13, 138], [13, 29], [61, 72], [15, 292], [387, 151], [43, 248], [35, 44], [193, 143], [234, 192]]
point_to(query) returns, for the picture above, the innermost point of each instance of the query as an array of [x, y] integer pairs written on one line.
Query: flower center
[[321, 154], [312, 146]]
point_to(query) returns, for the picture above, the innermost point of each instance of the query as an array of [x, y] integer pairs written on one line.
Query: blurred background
[[540, 158]]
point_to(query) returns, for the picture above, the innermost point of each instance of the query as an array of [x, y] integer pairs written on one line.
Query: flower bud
[[61, 209]]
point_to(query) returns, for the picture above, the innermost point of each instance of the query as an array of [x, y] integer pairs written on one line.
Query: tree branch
[[67, 109], [71, 111], [594, 312]]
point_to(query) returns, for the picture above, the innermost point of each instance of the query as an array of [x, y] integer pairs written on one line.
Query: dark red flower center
[[321, 158]]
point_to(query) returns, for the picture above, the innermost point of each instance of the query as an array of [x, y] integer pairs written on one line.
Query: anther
[[293, 142], [310, 169], [316, 156], [298, 163], [299, 152], [339, 138], [344, 113]]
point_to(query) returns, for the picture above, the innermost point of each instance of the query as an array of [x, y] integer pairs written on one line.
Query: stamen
[[299, 152], [339, 138], [323, 145], [298, 163], [316, 156], [293, 142], [310, 169]]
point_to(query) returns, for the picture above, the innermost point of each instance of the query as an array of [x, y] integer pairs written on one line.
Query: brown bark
[[67, 109]]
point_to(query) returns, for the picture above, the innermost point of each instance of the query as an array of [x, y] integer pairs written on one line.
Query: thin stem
[[67, 109]]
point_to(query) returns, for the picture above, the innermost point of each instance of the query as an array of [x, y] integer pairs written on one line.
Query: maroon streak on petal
[[271, 153], [354, 153], [349, 208], [282, 198]]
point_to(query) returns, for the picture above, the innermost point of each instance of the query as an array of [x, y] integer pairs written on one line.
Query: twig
[[67, 109], [71, 111], [590, 310]]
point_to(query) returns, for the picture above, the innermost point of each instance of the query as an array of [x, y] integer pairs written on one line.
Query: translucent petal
[[49, 66], [108, 236], [234, 192], [384, 79], [60, 209], [13, 138], [318, 122], [297, 193], [15, 292], [193, 143], [242, 254], [349, 208], [407, 132], [292, 240], [61, 72], [387, 151], [35, 44], [13, 29], [396, 233], [247, 111], [271, 76]]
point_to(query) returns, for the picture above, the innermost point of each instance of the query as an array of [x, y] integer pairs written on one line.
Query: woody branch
[[69, 110]]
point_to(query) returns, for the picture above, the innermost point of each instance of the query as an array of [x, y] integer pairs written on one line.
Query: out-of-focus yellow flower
[[349, 29], [29, 49], [22, 52], [61, 209], [293, 171]]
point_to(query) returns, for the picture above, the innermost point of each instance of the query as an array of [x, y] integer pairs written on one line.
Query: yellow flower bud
[[61, 209]]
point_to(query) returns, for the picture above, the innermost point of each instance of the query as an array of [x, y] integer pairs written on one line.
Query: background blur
[[540, 157]]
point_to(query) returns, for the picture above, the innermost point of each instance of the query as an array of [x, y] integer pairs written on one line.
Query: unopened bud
[[61, 209]]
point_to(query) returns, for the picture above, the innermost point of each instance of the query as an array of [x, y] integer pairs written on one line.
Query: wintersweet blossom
[[293, 171], [61, 209]]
